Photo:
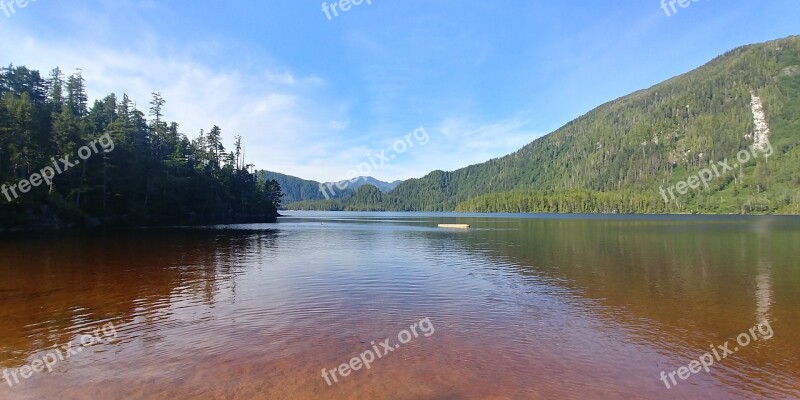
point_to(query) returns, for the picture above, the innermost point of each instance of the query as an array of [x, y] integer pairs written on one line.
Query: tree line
[[154, 175], [617, 156]]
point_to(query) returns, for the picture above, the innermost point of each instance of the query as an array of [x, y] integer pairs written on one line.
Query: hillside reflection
[[53, 288]]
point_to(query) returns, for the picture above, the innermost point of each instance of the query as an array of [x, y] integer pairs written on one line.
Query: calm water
[[522, 308]]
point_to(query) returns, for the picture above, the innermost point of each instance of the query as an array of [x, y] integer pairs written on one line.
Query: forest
[[616, 157], [144, 172]]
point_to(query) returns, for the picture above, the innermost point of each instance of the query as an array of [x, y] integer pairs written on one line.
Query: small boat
[[454, 226]]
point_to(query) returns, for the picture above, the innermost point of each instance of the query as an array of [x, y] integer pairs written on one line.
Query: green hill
[[619, 156], [296, 189]]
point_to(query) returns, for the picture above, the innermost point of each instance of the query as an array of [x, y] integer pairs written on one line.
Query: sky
[[319, 94]]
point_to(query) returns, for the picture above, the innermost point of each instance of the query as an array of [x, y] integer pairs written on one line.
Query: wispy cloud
[[275, 111], [313, 98], [286, 128]]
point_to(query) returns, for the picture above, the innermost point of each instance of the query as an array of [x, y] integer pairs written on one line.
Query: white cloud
[[289, 123], [454, 143], [275, 112]]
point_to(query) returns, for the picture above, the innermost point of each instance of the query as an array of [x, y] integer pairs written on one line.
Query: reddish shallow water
[[519, 308]]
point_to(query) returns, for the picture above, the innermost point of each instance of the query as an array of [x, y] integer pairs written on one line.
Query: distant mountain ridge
[[384, 187], [297, 189], [617, 157]]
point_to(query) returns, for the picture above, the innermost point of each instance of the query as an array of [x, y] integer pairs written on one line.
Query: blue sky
[[314, 97]]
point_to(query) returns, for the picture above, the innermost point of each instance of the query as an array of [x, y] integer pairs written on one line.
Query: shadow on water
[[54, 287], [524, 306]]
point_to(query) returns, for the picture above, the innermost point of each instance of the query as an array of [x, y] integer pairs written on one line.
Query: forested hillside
[[63, 162], [384, 187], [617, 157], [365, 198], [297, 189]]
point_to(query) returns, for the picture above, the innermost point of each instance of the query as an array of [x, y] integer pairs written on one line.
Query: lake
[[517, 307]]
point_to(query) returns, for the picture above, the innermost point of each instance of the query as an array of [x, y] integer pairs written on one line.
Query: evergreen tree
[[146, 172]]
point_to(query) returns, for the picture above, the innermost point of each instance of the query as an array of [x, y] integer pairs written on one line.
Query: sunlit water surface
[[523, 307]]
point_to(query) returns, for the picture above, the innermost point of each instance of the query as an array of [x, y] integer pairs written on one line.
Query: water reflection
[[523, 308], [53, 288], [763, 294]]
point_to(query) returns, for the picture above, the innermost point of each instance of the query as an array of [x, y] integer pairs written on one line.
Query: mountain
[[296, 189], [648, 152], [384, 187]]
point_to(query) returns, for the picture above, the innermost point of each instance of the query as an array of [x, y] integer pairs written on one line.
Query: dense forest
[[369, 198], [296, 189], [65, 163], [617, 157]]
